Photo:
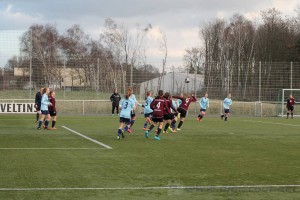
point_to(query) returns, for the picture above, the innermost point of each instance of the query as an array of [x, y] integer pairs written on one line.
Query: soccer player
[[44, 109], [37, 105], [204, 104], [52, 109], [226, 104], [126, 106], [290, 102], [147, 110], [158, 106], [133, 115], [115, 99], [183, 108], [169, 116]]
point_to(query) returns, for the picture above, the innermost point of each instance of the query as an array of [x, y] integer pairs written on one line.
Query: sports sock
[[126, 127], [145, 125], [158, 131], [46, 123], [180, 124], [173, 124], [292, 115], [53, 123], [287, 115], [166, 126], [201, 116], [40, 124], [151, 127], [119, 132], [225, 118], [37, 116]]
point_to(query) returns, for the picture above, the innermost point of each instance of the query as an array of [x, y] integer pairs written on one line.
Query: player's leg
[[117, 108], [227, 112], [48, 118], [292, 112], [288, 112], [54, 121], [120, 131], [151, 127], [161, 123], [41, 120]]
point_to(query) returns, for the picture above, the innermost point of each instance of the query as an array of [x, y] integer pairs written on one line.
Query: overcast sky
[[178, 19]]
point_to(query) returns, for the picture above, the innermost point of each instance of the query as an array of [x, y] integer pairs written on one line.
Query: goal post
[[283, 96]]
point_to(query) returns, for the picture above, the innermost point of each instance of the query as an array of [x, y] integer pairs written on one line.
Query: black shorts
[[226, 111], [52, 113], [124, 120], [290, 108], [202, 110], [157, 119], [132, 114], [148, 115], [182, 112], [169, 116], [45, 112]]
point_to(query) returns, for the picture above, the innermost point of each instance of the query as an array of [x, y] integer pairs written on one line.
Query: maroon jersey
[[158, 106], [185, 101], [290, 102], [169, 105], [53, 106]]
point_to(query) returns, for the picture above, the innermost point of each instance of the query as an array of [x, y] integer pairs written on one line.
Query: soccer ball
[[187, 80]]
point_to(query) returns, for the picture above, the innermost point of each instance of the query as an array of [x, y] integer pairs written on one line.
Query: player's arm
[[193, 98]]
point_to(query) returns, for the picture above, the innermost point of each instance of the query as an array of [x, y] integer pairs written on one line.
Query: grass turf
[[242, 151]]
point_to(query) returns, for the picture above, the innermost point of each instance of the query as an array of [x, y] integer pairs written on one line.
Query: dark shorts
[[132, 114], [148, 115], [45, 112], [124, 120], [157, 119], [226, 111], [290, 108], [52, 113], [182, 112], [169, 116], [202, 110]]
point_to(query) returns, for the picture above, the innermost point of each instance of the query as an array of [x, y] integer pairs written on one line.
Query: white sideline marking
[[271, 123], [90, 139], [48, 148], [158, 188]]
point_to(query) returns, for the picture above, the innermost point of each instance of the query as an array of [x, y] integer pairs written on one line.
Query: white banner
[[17, 108]]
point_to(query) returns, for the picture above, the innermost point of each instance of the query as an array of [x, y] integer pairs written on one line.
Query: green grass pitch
[[242, 151]]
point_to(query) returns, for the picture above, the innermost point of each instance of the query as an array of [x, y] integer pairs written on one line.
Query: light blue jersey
[[45, 102], [174, 105], [179, 102], [147, 108], [227, 103], [204, 103], [126, 106]]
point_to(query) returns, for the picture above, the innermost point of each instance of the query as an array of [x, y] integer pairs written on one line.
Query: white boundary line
[[159, 188], [48, 148], [90, 139], [271, 123]]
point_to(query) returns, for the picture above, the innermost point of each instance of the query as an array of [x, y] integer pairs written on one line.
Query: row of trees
[[231, 50], [111, 61]]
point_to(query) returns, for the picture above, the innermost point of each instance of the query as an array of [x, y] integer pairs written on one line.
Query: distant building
[[174, 83]]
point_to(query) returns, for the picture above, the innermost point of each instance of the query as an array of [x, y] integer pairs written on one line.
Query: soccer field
[[75, 162]]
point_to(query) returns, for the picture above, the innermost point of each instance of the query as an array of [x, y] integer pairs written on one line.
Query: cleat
[[170, 129], [145, 129], [147, 134], [165, 132], [118, 138], [174, 131], [54, 128], [222, 116], [156, 137], [38, 128], [122, 134], [178, 129], [49, 128], [129, 130]]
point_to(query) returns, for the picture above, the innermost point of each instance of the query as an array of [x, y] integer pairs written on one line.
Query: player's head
[[116, 91], [167, 95], [52, 93], [130, 90], [45, 90], [41, 90], [229, 96], [160, 93], [291, 96], [181, 94], [206, 94], [149, 94]]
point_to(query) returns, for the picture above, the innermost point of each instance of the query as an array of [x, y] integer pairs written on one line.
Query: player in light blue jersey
[[44, 109], [204, 104], [226, 104], [126, 106], [147, 110], [133, 115]]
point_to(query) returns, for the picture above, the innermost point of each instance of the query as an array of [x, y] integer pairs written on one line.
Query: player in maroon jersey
[[169, 116], [158, 106], [290, 102], [52, 109], [183, 108]]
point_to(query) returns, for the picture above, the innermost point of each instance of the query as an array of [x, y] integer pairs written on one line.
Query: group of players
[[162, 110], [45, 106]]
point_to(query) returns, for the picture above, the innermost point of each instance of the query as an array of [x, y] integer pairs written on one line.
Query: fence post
[[291, 84], [83, 107], [30, 64], [259, 83]]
